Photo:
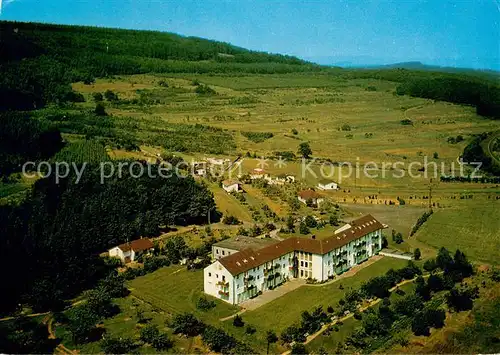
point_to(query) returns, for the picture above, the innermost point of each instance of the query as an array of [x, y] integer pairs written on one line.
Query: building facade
[[327, 185], [128, 252], [242, 275], [231, 186]]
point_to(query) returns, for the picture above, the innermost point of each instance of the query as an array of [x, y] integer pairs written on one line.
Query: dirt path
[[26, 315], [233, 315]]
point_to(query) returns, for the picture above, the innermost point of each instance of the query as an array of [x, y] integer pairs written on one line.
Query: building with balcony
[[243, 274]]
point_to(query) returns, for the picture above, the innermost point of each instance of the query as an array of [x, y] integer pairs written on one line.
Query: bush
[[111, 345], [97, 96], [294, 131], [417, 254], [250, 329], [407, 122], [100, 110], [204, 90], [299, 349], [187, 324], [310, 221], [149, 333], [231, 220], [303, 228], [238, 321], [110, 95], [204, 304], [257, 137]]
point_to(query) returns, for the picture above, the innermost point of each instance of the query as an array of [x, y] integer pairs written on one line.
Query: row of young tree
[[412, 310], [53, 239]]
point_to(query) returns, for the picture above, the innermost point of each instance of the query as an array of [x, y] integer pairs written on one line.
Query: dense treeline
[[53, 239], [485, 97], [23, 139], [38, 61]]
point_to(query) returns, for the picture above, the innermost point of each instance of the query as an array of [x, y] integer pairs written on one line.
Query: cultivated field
[[344, 120], [474, 228]]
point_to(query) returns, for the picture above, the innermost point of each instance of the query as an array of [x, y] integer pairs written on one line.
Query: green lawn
[[473, 228], [175, 290], [286, 310]]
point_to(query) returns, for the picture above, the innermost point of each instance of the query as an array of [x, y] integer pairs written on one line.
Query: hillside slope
[[38, 61]]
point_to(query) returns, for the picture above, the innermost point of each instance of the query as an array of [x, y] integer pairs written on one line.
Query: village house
[[310, 197], [243, 274], [258, 174], [327, 185], [130, 251], [199, 168], [231, 186]]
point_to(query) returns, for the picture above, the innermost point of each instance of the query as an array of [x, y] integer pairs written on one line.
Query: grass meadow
[[175, 290], [473, 228]]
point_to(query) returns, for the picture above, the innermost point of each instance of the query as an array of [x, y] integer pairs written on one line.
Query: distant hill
[[30, 39], [38, 61]]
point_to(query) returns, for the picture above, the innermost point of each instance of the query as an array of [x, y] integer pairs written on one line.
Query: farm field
[[175, 290], [340, 119], [286, 310], [474, 228]]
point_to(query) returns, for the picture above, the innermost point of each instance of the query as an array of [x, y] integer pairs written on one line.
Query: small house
[[310, 197], [231, 186], [327, 185], [129, 251]]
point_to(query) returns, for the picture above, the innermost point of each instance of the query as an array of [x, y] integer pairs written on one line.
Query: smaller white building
[[327, 185], [128, 252], [231, 186], [310, 197]]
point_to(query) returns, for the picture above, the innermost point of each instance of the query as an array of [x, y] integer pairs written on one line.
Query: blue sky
[[453, 33]]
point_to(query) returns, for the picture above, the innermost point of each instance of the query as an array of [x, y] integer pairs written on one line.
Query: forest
[[53, 239]]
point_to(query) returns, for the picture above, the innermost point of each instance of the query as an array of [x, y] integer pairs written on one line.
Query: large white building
[[243, 274]]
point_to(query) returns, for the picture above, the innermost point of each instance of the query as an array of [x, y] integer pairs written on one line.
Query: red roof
[[248, 259], [137, 245]]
